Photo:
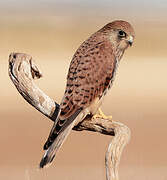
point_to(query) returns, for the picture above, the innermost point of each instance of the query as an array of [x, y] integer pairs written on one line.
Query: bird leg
[[100, 114]]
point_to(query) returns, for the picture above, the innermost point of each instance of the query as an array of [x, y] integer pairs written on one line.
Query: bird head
[[120, 33]]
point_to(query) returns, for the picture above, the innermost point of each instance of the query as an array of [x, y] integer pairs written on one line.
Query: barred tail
[[54, 147], [56, 138]]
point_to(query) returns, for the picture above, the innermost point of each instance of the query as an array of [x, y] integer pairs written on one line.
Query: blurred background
[[51, 31]]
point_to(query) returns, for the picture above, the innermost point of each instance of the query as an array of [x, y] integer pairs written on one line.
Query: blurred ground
[[138, 99]]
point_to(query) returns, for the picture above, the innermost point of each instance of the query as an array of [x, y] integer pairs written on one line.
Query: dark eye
[[121, 33]]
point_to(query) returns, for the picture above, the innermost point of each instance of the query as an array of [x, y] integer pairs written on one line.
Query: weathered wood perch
[[23, 71]]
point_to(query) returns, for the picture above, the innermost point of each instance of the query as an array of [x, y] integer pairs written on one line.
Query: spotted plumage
[[91, 74]]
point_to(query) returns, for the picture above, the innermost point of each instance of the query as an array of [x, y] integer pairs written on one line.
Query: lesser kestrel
[[90, 76]]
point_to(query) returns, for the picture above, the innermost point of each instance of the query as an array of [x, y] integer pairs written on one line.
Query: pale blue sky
[[150, 9], [145, 5]]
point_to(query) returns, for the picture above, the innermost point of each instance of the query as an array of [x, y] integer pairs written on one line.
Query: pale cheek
[[123, 45]]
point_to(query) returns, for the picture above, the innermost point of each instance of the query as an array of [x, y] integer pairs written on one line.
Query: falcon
[[90, 76]]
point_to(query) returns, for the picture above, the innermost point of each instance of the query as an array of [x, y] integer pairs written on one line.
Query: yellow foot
[[100, 114]]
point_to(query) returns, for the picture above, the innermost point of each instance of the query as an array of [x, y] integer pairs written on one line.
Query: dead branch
[[23, 72]]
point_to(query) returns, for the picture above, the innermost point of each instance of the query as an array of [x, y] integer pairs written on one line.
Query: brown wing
[[89, 75]]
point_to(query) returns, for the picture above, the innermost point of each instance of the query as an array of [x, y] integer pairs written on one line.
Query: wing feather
[[89, 75]]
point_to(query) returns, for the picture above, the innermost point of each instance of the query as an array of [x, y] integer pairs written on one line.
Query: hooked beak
[[130, 40]]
